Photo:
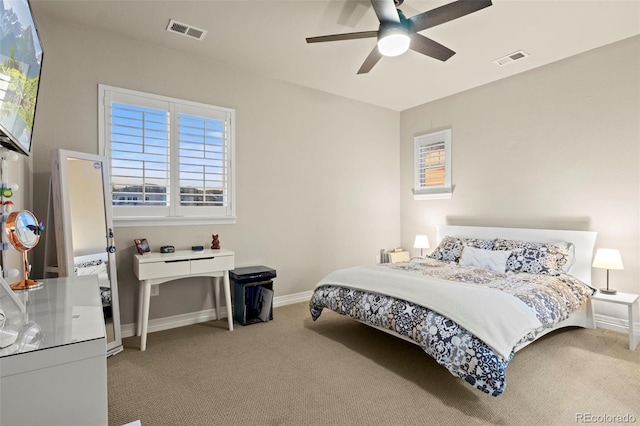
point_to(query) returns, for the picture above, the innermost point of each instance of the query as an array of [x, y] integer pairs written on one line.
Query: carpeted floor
[[336, 371]]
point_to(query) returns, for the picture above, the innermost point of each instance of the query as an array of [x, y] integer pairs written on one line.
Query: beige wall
[[317, 175], [555, 147]]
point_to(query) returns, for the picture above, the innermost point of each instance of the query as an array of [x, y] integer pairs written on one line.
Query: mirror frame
[[11, 227], [63, 228], [12, 223]]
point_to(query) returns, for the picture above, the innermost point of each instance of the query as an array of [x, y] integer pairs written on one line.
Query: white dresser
[[56, 373], [157, 268]]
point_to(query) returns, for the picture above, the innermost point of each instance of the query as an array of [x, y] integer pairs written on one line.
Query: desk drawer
[[212, 264], [147, 271]]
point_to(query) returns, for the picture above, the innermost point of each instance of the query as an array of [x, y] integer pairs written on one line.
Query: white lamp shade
[[421, 242], [607, 259]]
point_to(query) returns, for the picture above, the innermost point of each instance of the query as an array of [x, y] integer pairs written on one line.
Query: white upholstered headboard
[[584, 241]]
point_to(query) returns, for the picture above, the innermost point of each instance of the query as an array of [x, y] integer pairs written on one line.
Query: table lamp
[[421, 242], [607, 259]]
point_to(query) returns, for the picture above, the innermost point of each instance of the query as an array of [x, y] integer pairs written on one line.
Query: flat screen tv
[[20, 64]]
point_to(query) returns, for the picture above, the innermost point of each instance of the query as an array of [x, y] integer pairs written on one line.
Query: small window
[[432, 166], [171, 161]]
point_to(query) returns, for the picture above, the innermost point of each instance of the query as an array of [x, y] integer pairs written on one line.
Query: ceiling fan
[[396, 33]]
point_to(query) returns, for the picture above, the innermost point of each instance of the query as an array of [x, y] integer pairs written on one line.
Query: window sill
[[172, 221], [443, 194]]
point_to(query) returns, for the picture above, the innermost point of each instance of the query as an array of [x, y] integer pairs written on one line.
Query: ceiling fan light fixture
[[396, 34], [393, 42]]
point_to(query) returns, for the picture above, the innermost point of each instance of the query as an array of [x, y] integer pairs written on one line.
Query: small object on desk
[[167, 249], [215, 242], [197, 248], [142, 245]]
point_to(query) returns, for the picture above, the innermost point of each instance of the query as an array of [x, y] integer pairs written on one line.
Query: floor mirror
[[81, 222]]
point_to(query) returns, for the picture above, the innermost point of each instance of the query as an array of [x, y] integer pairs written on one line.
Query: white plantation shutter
[[171, 160], [431, 160], [203, 159], [432, 169], [139, 153]]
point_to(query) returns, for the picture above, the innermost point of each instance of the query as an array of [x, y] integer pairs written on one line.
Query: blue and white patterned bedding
[[551, 298], [96, 267]]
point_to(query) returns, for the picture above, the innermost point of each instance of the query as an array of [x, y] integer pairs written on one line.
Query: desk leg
[[145, 313], [216, 295], [227, 298], [140, 307], [632, 336]]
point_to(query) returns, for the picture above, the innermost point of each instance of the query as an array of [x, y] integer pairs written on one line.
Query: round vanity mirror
[[24, 233]]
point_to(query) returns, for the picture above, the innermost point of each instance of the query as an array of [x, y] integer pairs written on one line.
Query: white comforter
[[497, 318]]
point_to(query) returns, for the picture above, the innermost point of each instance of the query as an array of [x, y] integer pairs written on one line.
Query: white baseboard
[[615, 324], [290, 299], [181, 320]]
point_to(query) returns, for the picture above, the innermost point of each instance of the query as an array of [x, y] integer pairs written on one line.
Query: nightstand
[[622, 299]]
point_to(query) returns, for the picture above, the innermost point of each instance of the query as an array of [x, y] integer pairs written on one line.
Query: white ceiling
[[268, 37]]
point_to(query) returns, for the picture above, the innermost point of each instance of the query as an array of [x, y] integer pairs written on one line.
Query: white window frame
[[173, 214], [432, 192]]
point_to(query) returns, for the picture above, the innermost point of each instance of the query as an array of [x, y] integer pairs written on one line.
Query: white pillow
[[487, 259]]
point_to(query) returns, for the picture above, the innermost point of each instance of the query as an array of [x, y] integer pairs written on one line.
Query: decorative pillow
[[450, 248], [568, 251], [535, 257], [495, 261]]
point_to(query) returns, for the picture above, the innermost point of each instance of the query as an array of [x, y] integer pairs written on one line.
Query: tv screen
[[20, 63]]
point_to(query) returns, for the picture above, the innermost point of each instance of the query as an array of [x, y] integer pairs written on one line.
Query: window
[[171, 161], [432, 168]]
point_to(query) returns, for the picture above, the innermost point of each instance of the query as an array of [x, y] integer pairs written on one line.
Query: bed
[[481, 296]]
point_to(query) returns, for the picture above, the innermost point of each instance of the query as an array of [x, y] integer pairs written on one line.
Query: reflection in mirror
[[24, 233], [82, 217]]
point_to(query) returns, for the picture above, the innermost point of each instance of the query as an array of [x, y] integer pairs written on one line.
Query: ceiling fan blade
[[346, 36], [426, 46], [386, 11], [371, 60], [447, 13]]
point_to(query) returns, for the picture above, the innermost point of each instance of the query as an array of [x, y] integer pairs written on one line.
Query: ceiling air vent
[[511, 57], [186, 30]]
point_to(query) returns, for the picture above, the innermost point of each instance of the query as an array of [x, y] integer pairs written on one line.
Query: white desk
[[157, 268], [56, 372]]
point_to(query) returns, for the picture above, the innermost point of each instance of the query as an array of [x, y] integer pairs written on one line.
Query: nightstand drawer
[[169, 268], [217, 263]]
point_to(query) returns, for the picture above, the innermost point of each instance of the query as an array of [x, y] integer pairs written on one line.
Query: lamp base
[[26, 285], [608, 291]]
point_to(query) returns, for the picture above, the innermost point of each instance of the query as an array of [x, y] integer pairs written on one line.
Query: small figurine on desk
[[215, 242]]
